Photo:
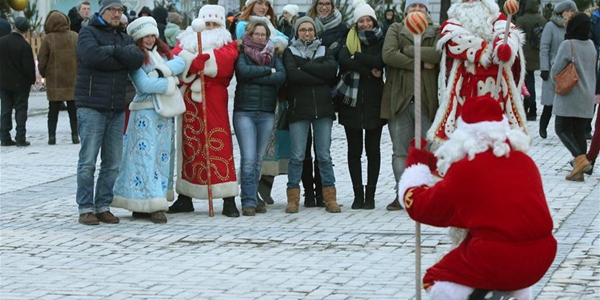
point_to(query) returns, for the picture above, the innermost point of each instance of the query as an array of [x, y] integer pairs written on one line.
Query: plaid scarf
[[258, 52], [348, 85]]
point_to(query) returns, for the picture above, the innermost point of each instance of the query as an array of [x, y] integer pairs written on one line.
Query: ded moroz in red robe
[[192, 163]]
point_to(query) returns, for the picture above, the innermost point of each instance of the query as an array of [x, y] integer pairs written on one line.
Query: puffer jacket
[[309, 92], [58, 57], [365, 115], [257, 86], [104, 56]]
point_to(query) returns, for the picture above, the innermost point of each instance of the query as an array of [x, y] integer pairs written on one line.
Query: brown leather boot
[[329, 194], [395, 205], [581, 164], [293, 199]]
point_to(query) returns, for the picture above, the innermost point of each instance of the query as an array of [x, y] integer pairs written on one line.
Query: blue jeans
[[98, 131], [252, 130], [322, 138]]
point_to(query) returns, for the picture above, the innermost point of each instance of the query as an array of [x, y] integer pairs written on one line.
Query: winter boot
[[229, 208], [51, 132], [331, 200], [581, 164], [395, 205], [265, 185], [359, 197], [293, 199], [308, 183], [370, 197], [74, 132], [182, 204]]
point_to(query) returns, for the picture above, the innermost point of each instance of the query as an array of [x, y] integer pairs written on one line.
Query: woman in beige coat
[[58, 64]]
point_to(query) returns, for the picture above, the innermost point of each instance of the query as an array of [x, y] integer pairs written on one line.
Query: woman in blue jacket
[[260, 74]]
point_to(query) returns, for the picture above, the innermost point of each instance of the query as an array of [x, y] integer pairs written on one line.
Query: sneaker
[[249, 211], [88, 219], [107, 217], [8, 143]]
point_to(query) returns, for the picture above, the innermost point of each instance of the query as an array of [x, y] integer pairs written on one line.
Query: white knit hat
[[293, 9], [248, 2], [361, 9], [212, 13], [411, 2], [141, 27]]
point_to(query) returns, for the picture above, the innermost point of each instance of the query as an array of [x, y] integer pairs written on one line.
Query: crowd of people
[[124, 79]]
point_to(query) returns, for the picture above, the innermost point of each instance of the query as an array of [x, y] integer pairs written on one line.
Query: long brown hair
[[161, 47], [248, 12], [312, 12]]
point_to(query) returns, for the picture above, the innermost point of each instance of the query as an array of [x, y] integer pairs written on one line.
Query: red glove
[[504, 52], [416, 156], [199, 62]]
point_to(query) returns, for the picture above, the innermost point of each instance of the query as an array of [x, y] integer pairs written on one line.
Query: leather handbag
[[567, 78]]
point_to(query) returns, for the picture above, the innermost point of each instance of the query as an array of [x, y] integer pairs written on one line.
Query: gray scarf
[[330, 21], [305, 49]]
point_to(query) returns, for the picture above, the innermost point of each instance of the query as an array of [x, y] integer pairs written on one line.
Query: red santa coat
[[510, 244], [192, 163], [469, 68]]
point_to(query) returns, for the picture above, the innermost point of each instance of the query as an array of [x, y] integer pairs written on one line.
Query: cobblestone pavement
[[357, 254]]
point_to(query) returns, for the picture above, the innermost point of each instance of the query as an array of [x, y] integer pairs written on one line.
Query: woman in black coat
[[362, 87]]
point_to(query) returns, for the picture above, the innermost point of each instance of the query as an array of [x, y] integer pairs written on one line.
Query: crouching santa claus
[[217, 60], [509, 245]]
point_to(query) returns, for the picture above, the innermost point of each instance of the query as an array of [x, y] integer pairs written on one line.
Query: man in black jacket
[[104, 56], [17, 74]]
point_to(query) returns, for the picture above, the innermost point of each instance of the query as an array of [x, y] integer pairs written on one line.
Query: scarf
[[306, 49], [260, 53], [370, 37], [330, 21]]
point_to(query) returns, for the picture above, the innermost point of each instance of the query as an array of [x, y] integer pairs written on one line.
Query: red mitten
[[504, 52], [198, 63], [416, 156]]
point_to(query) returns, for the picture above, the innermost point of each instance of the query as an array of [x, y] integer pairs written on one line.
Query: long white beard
[[211, 39], [475, 17]]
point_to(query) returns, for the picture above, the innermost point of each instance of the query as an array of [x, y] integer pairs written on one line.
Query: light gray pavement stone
[[357, 254]]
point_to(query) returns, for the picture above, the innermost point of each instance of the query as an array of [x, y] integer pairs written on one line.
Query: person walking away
[[57, 62], [398, 104], [17, 74], [362, 86], [104, 56]]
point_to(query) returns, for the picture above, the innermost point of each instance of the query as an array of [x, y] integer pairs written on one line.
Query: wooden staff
[[511, 7], [416, 24], [198, 26]]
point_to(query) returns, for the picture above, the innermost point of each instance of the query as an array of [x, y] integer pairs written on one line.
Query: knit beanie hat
[[565, 5], [141, 27], [411, 2], [109, 3], [212, 13], [361, 9], [22, 24], [306, 19], [248, 2], [293, 9]]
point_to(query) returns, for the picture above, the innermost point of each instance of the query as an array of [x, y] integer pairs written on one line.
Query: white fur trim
[[164, 69], [210, 67], [142, 27], [445, 290], [172, 83], [515, 41], [141, 205], [212, 13], [196, 88], [188, 57], [170, 195], [248, 2], [414, 176], [141, 105]]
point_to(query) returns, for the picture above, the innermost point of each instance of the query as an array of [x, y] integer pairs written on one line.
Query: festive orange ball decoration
[[416, 22], [18, 5], [511, 7]]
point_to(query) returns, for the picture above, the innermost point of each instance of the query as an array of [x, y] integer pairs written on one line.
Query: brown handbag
[[567, 78]]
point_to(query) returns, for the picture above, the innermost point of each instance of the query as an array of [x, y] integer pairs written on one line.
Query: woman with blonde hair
[[261, 10]]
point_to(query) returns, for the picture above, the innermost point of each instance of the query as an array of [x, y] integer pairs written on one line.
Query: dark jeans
[[19, 101], [571, 132], [372, 141], [54, 110], [529, 102]]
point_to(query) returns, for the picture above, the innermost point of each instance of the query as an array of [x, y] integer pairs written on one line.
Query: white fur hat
[[293, 9], [248, 2], [361, 9], [212, 13], [141, 27]]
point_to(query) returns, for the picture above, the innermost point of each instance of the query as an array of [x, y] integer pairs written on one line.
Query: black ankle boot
[[319, 198], [370, 197], [309, 198], [359, 197], [229, 208], [182, 204], [74, 138], [52, 140]]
